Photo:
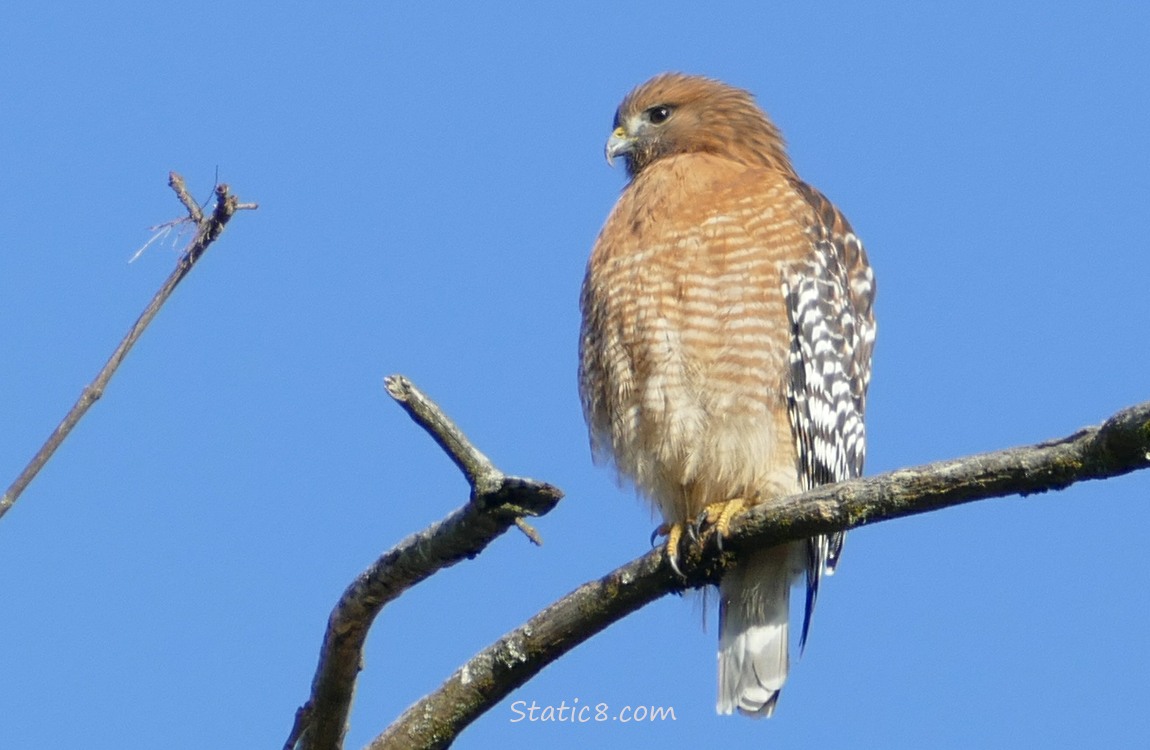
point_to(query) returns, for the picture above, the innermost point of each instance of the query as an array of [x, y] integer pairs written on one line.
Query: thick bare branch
[[498, 502], [1119, 446], [208, 229]]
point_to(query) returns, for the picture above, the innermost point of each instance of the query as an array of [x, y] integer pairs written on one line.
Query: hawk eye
[[658, 114]]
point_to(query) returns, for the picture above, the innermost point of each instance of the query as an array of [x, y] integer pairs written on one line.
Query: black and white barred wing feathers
[[830, 296]]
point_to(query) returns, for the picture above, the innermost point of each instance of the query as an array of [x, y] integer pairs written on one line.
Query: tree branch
[[1119, 446], [497, 503], [208, 230], [477, 468]]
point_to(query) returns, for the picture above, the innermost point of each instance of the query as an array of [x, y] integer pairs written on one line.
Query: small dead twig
[[208, 229]]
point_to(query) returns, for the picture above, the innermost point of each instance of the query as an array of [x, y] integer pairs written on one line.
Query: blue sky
[[431, 179]]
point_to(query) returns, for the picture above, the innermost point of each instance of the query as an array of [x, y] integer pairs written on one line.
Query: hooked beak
[[618, 143]]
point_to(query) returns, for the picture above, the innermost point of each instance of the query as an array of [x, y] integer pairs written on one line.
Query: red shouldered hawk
[[726, 348]]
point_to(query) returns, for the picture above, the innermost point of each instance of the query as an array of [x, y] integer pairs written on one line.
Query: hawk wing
[[830, 296]]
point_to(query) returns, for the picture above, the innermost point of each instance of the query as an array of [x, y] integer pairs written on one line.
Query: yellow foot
[[717, 517], [674, 534]]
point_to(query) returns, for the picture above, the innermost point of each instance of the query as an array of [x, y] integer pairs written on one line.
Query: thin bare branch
[[1119, 446], [176, 183], [208, 229], [498, 502], [529, 531]]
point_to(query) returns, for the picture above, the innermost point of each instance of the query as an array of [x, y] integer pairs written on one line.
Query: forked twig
[[497, 503]]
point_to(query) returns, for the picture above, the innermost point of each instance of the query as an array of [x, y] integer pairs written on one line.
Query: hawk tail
[[754, 624]]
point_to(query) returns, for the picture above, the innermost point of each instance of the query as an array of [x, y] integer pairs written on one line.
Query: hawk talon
[[697, 528]]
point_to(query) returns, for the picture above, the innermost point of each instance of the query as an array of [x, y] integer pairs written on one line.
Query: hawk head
[[675, 114]]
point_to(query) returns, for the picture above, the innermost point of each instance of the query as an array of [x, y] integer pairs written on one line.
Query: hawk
[[725, 349]]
